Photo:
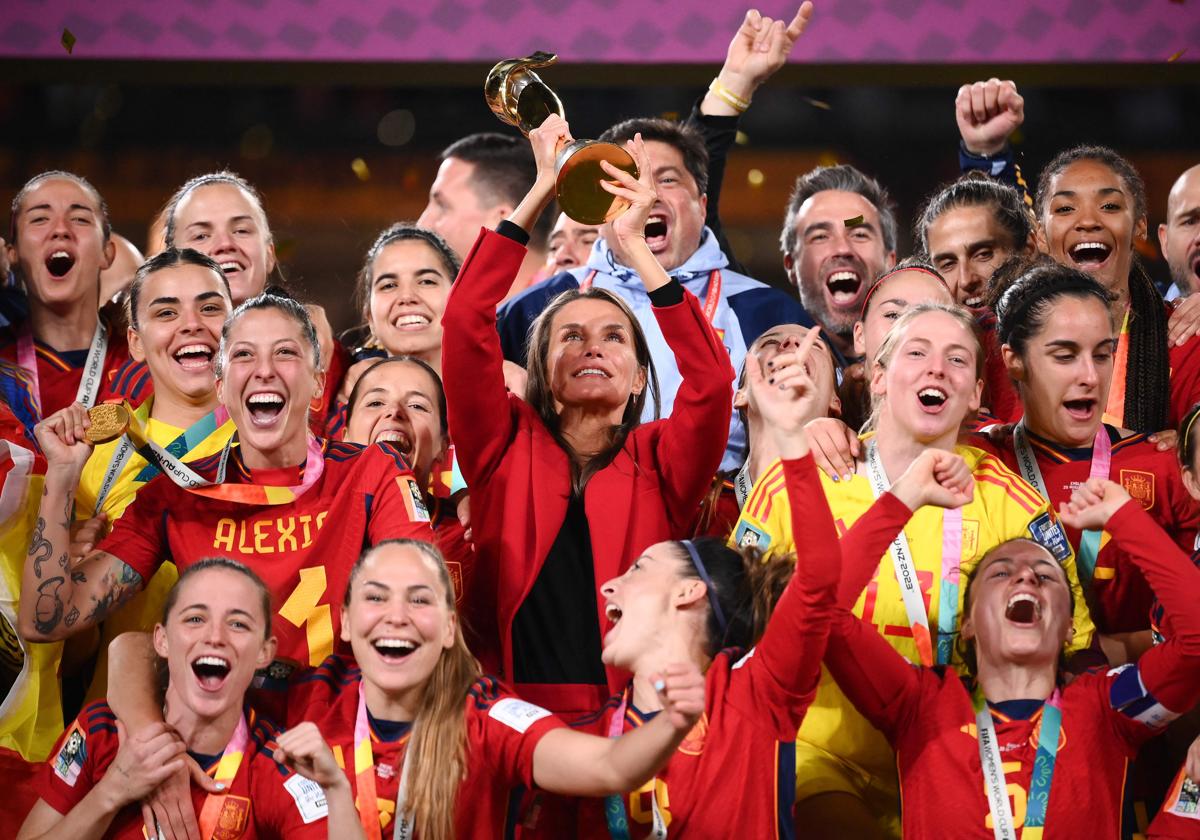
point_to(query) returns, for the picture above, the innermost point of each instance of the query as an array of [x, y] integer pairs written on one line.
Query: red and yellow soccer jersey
[[1120, 598], [1179, 817], [737, 767], [303, 550], [264, 800], [937, 753], [502, 732], [59, 372], [1004, 507], [928, 716]]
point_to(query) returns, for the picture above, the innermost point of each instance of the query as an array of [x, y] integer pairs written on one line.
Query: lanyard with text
[[614, 806], [263, 494], [712, 298], [1089, 541], [993, 768], [906, 574], [364, 775], [742, 485], [93, 368], [158, 459], [227, 769]]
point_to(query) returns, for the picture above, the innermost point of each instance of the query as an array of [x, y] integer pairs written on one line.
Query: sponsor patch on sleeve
[[1047, 533], [309, 798], [748, 535], [517, 714], [414, 499], [68, 763]]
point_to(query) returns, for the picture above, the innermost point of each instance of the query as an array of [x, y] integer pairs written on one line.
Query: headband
[[711, 590], [1187, 430], [871, 291]]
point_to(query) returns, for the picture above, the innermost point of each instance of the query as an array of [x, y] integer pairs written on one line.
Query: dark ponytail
[[744, 587]]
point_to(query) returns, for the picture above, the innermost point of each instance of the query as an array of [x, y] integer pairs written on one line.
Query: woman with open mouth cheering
[[566, 485], [433, 748], [294, 508], [1091, 207], [215, 632], [1059, 341], [707, 602], [925, 381], [1016, 750]]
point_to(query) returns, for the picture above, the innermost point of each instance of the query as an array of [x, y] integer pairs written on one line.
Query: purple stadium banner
[[630, 31]]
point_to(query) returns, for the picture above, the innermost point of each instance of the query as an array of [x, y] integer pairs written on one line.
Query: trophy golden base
[[578, 188]]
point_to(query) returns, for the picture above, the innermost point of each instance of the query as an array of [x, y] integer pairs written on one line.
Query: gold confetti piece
[[1175, 55], [855, 222], [68, 40], [741, 138], [360, 169], [817, 103]]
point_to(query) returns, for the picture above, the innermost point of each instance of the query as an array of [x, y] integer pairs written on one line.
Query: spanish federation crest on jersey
[[1140, 485]]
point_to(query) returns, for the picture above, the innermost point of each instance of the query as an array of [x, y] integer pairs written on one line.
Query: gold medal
[[109, 422]]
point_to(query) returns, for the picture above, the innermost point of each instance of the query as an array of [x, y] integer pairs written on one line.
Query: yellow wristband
[[728, 97]]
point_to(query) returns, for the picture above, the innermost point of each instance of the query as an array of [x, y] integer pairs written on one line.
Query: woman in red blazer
[[566, 487]]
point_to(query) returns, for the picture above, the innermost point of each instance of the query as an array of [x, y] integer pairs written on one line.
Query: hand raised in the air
[[784, 393], [987, 114]]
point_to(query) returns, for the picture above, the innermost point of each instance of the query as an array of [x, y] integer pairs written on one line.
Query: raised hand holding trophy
[[519, 97]]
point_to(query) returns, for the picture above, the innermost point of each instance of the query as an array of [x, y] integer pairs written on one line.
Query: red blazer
[[520, 478]]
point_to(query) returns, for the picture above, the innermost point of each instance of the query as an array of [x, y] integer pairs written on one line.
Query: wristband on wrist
[[727, 96]]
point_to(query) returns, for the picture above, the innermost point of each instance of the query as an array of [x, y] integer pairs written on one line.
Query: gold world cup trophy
[[519, 97]]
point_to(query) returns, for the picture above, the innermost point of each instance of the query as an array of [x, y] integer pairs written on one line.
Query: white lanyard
[[993, 776], [906, 571], [93, 368], [742, 485]]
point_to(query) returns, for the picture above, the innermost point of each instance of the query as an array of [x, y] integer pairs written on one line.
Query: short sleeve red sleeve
[[139, 537], [398, 508], [79, 758], [504, 730]]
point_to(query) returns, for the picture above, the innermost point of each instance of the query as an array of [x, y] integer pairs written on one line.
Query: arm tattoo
[[117, 587], [40, 548], [48, 610]]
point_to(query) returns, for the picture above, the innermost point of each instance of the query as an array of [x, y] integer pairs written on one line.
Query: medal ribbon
[[1114, 412], [712, 299], [364, 775], [263, 494], [906, 574], [1043, 768], [168, 460], [93, 368], [614, 805], [227, 768], [1089, 541]]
